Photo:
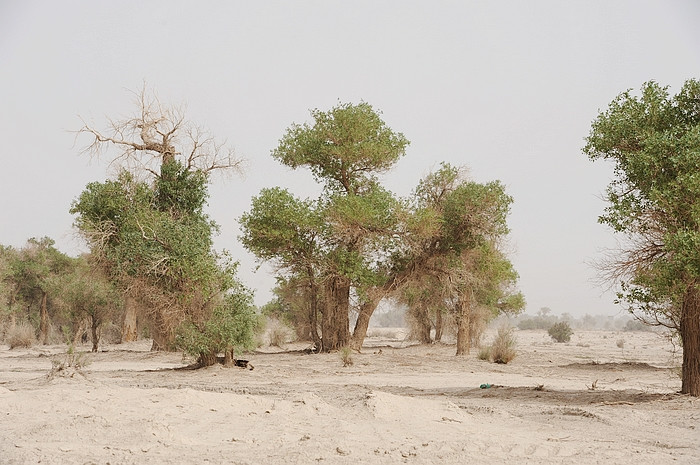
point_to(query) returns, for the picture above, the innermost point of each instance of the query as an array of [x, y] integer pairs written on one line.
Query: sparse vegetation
[[620, 343], [346, 356], [71, 364], [20, 335], [502, 349], [560, 332]]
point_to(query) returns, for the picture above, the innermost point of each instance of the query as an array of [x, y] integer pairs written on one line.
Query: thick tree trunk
[[94, 333], [335, 327], [360, 332], [44, 321], [129, 325], [463, 326], [690, 335]]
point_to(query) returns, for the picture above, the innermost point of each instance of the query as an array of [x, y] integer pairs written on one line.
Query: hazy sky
[[507, 88]]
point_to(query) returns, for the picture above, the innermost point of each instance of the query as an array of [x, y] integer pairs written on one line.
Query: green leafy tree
[[653, 141], [341, 236], [85, 294], [148, 229], [29, 274], [451, 254]]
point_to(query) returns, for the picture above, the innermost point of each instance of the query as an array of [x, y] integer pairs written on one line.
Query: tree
[[451, 253], [30, 272], [653, 141], [147, 228], [84, 293], [345, 149]]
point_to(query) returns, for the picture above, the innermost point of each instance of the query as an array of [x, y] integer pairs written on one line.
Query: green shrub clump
[[232, 328], [560, 332]]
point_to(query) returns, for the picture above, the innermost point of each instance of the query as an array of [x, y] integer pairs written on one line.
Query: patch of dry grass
[[20, 335]]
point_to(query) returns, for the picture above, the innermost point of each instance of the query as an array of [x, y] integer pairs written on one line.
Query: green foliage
[[231, 326], [560, 332], [85, 292], [653, 139], [28, 274], [344, 147], [156, 241]]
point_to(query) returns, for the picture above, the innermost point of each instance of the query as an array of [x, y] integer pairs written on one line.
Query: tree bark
[[95, 336], [313, 313], [438, 325], [690, 335], [44, 321], [129, 325], [463, 326], [360, 332], [335, 327]]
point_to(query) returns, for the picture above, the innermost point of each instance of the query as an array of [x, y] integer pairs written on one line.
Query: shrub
[[277, 332], [503, 346], [72, 363], [21, 335], [231, 328], [621, 343], [485, 353], [560, 332]]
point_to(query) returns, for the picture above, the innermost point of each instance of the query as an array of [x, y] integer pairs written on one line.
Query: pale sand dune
[[407, 404]]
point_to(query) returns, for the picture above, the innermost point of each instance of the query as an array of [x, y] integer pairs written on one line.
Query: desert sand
[[583, 402]]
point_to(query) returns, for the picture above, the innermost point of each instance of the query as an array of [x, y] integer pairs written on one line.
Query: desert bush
[[278, 333], [560, 332], [484, 353], [73, 362], [621, 343], [346, 356], [21, 335], [503, 346], [232, 327]]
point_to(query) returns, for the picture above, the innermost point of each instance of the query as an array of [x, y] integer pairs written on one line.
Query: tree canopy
[[653, 140]]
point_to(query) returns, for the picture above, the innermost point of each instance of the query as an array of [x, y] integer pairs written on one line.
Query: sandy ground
[[584, 402]]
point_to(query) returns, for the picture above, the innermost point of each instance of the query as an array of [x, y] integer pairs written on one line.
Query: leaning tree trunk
[[129, 325], [690, 335], [360, 332], [335, 327], [463, 326], [44, 321]]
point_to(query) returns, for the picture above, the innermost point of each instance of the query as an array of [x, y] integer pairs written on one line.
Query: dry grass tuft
[[346, 356], [503, 346], [502, 349], [21, 335]]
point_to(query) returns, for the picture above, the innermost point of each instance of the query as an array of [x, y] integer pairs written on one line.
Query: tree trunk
[[95, 336], [129, 325], [690, 335], [424, 325], [463, 326], [207, 360], [44, 321], [360, 332], [335, 327], [313, 313], [438, 325]]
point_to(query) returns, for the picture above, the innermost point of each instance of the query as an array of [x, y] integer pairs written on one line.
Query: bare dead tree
[[157, 134]]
